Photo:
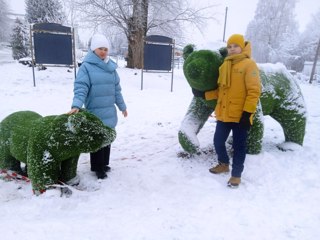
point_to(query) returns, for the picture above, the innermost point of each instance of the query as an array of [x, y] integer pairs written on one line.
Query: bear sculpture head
[[201, 68]]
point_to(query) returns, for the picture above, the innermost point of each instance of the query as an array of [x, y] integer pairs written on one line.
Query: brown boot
[[220, 168], [234, 182]]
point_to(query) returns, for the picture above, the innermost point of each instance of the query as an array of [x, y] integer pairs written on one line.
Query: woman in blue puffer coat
[[97, 87]]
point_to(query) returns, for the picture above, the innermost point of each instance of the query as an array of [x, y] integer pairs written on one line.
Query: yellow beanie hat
[[236, 39]]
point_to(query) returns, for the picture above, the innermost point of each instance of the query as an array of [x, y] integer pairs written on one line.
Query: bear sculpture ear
[[187, 50], [223, 52]]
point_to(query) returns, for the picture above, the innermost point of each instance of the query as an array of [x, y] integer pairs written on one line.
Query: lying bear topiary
[[50, 146], [281, 99]]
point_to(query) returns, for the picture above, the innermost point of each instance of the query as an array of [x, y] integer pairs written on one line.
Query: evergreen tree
[[44, 11], [274, 31], [19, 40]]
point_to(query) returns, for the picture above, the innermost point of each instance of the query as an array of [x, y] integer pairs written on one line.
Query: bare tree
[[136, 18], [273, 31], [309, 38]]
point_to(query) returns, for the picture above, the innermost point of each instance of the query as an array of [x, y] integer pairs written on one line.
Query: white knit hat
[[98, 41]]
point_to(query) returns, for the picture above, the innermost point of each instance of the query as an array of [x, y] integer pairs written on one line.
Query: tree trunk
[[315, 62], [135, 49], [137, 28]]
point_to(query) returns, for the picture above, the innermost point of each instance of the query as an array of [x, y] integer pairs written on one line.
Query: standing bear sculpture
[[281, 99], [50, 146]]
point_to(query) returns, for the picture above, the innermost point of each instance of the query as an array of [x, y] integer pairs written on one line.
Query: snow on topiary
[[281, 99], [192, 123], [51, 145]]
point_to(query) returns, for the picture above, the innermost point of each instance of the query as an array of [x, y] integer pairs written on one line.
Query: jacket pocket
[[235, 109]]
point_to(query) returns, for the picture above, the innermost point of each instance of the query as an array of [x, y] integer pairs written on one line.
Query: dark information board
[[52, 48]]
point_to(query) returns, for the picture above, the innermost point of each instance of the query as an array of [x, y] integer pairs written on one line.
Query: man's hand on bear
[[198, 93]]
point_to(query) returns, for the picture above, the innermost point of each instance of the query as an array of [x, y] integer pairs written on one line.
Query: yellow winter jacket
[[239, 86]]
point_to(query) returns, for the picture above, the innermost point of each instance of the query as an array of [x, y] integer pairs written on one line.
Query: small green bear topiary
[[50, 146], [281, 99]]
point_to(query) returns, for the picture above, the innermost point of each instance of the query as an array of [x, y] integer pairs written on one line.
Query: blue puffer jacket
[[97, 87]]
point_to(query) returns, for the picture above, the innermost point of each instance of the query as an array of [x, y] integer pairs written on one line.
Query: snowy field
[[151, 193]]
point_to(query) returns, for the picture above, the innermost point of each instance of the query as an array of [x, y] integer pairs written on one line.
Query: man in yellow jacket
[[239, 89]]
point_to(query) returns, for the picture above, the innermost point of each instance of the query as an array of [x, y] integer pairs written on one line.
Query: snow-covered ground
[[151, 193]]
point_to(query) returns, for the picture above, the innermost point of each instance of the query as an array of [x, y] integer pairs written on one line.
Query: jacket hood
[[247, 49], [92, 58]]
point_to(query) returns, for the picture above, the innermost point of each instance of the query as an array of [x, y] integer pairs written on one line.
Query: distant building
[[178, 51]]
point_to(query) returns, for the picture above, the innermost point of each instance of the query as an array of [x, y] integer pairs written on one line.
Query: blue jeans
[[239, 145]]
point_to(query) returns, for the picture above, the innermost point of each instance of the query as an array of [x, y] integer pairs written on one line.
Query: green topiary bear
[[281, 99], [50, 146]]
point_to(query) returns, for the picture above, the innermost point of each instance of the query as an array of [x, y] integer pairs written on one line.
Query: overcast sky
[[240, 13]]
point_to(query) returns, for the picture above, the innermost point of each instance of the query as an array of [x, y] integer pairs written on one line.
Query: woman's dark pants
[[100, 159]]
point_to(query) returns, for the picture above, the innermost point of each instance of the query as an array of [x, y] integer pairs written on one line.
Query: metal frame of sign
[[52, 45], [160, 45]]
